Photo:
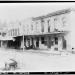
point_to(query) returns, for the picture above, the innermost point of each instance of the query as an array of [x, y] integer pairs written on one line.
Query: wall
[[72, 28]]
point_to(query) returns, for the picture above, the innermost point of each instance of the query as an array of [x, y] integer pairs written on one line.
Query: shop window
[[18, 31]]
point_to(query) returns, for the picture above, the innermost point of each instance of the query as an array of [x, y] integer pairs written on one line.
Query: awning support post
[[1, 43], [23, 42]]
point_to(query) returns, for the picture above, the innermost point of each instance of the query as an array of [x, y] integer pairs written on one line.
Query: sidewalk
[[47, 52], [44, 52]]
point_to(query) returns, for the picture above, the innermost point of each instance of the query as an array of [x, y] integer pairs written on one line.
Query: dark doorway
[[64, 43], [56, 43], [42, 40], [56, 40], [37, 42]]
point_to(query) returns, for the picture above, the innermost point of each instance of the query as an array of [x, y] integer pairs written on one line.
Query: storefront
[[53, 41], [4, 41]]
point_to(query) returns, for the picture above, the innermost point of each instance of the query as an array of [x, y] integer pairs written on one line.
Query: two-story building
[[54, 31], [49, 31]]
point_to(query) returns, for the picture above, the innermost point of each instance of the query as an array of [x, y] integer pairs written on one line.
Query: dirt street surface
[[35, 61]]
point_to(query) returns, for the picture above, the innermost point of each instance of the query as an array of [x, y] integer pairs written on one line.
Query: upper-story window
[[31, 26], [3, 34], [64, 21], [36, 25], [55, 24], [42, 25], [55, 19], [15, 32], [48, 25], [10, 32]]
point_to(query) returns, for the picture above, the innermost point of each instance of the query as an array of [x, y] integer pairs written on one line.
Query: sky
[[20, 11]]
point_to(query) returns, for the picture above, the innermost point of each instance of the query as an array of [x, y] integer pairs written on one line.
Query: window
[[42, 25], [11, 32], [31, 27], [64, 21], [56, 40], [3, 34], [36, 25], [48, 26], [18, 31], [56, 21], [15, 32], [42, 40]]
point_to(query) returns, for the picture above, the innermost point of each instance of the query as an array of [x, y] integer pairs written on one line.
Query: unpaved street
[[29, 61]]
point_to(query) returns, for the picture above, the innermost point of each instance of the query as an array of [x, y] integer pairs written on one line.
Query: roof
[[52, 33], [59, 12]]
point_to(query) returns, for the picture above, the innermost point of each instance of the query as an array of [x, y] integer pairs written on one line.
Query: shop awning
[[7, 38], [51, 33]]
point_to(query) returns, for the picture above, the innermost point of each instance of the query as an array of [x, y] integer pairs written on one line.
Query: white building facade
[[54, 31]]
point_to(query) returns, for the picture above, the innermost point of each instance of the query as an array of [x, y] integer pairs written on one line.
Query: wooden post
[[23, 37], [23, 42], [1, 41]]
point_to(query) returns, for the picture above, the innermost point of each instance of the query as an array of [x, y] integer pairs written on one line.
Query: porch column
[[52, 43], [60, 43], [40, 42], [23, 43], [35, 42], [30, 41], [1, 43], [27, 42]]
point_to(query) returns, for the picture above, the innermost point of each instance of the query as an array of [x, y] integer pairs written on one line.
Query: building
[[54, 31], [51, 32]]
